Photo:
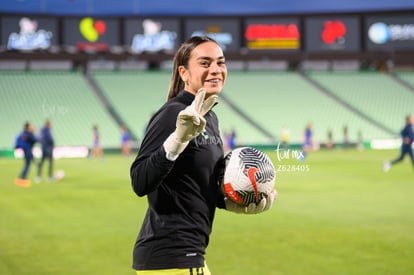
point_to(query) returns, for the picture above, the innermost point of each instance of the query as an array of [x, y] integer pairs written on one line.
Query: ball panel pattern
[[249, 175]]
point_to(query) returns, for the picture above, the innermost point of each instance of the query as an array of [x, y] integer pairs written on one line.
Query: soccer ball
[[249, 176], [60, 174]]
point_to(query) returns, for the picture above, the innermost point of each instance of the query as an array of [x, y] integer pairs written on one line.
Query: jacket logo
[[206, 139]]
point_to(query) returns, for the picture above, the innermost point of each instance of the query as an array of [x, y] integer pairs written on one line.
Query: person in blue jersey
[[47, 142], [307, 141], [125, 141], [406, 146], [179, 166], [96, 150], [26, 141]]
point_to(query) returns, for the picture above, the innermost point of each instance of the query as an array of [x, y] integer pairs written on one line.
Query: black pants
[[28, 157], [405, 149], [47, 154]]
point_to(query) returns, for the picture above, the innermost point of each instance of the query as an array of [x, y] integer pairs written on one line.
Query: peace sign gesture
[[190, 122]]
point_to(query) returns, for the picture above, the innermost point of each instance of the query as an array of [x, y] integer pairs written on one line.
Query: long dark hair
[[181, 59]]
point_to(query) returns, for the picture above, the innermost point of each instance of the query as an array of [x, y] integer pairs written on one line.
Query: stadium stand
[[142, 93], [284, 99], [64, 97], [257, 105], [374, 93], [407, 77], [134, 95]]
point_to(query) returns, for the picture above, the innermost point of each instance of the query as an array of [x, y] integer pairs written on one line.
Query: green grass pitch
[[343, 216]]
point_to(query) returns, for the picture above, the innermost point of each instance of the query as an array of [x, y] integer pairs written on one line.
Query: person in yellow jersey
[[179, 165]]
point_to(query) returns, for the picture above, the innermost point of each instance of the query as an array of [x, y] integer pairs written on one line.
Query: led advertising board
[[389, 32], [152, 34], [263, 34], [87, 33], [226, 31], [332, 34], [28, 33]]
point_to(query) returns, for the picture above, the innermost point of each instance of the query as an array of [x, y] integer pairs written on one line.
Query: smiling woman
[[179, 166], [197, 66], [179, 175]]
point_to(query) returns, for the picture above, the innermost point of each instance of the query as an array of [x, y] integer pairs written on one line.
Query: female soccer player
[[407, 135], [26, 141], [96, 150], [178, 169]]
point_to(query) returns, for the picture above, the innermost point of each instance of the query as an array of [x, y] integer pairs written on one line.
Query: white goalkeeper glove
[[252, 208], [190, 123]]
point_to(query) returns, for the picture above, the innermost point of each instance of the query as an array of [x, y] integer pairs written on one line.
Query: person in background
[[307, 140], [230, 138], [26, 141], [47, 142], [360, 141], [96, 151], [125, 142], [329, 141], [406, 147], [346, 137], [285, 137]]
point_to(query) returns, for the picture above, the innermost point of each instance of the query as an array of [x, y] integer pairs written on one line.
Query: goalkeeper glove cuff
[[173, 147]]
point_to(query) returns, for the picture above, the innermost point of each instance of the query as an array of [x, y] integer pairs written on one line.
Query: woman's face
[[206, 68]]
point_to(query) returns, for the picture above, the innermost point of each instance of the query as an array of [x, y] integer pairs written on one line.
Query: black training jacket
[[182, 194]]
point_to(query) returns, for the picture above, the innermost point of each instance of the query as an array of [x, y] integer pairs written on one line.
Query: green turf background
[[343, 216]]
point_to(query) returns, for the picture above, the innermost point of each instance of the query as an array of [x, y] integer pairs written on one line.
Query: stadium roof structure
[[198, 8]]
